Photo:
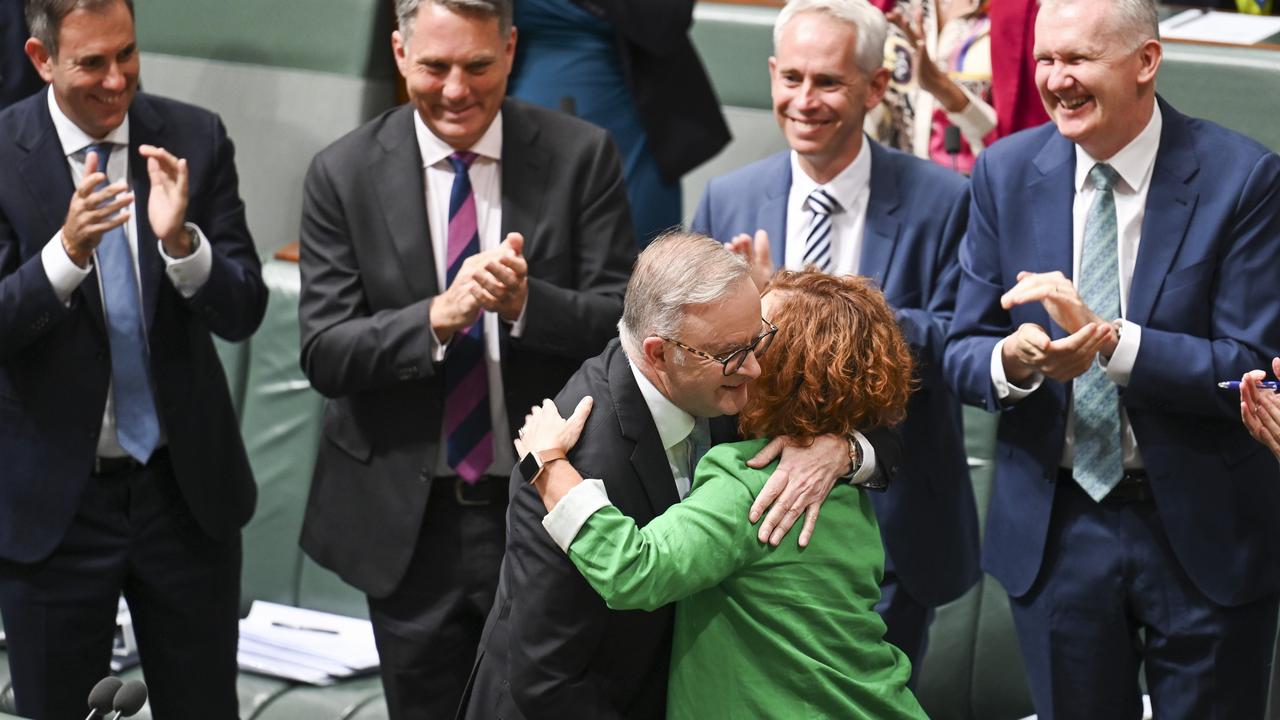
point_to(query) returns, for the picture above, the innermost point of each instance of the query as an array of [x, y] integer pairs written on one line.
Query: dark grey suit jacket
[[368, 279]]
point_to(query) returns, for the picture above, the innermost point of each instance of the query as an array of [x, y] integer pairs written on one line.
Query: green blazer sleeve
[[692, 546]]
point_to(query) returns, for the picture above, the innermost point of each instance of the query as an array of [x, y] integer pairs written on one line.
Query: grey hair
[[678, 269], [1135, 21], [44, 17], [867, 21], [407, 12]]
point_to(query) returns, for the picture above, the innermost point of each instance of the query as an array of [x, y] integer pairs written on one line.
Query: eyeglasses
[[733, 360]]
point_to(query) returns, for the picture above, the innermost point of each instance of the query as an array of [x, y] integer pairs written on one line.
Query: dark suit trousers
[[428, 630], [1111, 596], [906, 620], [133, 534]]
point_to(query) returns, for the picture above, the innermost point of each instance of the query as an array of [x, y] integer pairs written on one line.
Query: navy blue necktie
[[137, 426]]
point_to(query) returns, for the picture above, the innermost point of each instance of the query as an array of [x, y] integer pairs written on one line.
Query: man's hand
[[167, 205], [756, 253], [1029, 350], [93, 212], [496, 280], [502, 284], [1260, 408], [1059, 298], [800, 484]]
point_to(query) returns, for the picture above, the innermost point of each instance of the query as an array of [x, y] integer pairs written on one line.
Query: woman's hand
[[544, 429], [931, 78]]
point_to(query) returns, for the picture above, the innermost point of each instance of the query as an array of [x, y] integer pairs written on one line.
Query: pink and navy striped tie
[[468, 429]]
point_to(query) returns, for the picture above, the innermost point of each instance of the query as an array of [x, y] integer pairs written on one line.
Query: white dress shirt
[[187, 274], [486, 185], [851, 188], [1134, 164]]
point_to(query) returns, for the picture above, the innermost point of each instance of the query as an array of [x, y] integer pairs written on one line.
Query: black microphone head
[[102, 694], [130, 698], [951, 140]]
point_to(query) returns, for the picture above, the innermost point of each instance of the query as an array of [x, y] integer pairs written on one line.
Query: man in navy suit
[[849, 205], [1117, 266], [123, 247]]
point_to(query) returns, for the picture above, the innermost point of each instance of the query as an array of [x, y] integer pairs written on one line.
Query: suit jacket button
[[424, 476]]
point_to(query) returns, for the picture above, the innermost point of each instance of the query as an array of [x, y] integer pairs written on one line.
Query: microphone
[[129, 699], [101, 695], [951, 143]]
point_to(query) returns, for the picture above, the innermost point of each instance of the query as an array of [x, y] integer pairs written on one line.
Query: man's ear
[[877, 84], [1150, 54], [654, 350], [40, 58]]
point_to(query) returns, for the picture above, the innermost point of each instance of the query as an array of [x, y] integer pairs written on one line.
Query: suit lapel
[[524, 171], [145, 127], [49, 183], [880, 231], [396, 170], [1052, 216], [772, 216], [648, 457], [1170, 202]]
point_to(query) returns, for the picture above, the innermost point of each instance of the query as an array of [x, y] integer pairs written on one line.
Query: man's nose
[[115, 78], [750, 367], [455, 85]]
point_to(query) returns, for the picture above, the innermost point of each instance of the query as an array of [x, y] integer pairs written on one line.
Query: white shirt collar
[[845, 186], [1135, 161], [674, 424], [433, 149], [74, 139]]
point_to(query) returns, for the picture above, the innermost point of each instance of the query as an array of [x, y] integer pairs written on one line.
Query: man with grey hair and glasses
[[461, 256], [664, 392], [1112, 275], [841, 202]]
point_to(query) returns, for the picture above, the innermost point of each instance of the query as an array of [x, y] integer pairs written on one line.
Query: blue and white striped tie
[[817, 236]]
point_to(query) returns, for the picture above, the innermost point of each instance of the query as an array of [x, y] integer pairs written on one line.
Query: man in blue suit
[[123, 247], [848, 205], [1118, 264]]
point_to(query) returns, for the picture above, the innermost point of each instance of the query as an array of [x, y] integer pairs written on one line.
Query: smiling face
[[95, 74], [820, 96], [699, 386], [1096, 86], [455, 68]]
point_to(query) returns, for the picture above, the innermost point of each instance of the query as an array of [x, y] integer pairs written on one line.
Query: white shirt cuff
[[64, 275], [975, 121], [1006, 391], [517, 327], [868, 459], [574, 509], [189, 273], [1120, 367]]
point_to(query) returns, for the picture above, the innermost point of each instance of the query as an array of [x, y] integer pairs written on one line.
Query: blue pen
[[1235, 385]]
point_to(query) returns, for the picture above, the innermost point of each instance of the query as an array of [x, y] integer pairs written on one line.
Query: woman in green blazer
[[761, 631]]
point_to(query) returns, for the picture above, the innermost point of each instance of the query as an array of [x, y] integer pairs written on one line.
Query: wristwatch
[[533, 463], [855, 459]]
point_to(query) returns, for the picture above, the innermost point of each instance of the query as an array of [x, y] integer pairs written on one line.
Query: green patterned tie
[[1097, 405]]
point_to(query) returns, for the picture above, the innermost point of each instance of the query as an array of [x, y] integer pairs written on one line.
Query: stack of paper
[[305, 645], [1222, 27]]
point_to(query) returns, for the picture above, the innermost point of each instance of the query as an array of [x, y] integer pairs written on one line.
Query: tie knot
[[1104, 177], [462, 160], [820, 202], [102, 150]]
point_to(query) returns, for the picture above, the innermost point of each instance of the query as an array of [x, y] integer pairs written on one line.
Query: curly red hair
[[839, 362]]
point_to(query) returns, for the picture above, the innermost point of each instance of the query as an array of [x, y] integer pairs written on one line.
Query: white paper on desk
[[260, 649], [281, 669], [1215, 26], [349, 641]]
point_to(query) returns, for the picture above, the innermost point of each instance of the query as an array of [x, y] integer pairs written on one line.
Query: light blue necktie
[[817, 242], [1097, 465], [137, 426]]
